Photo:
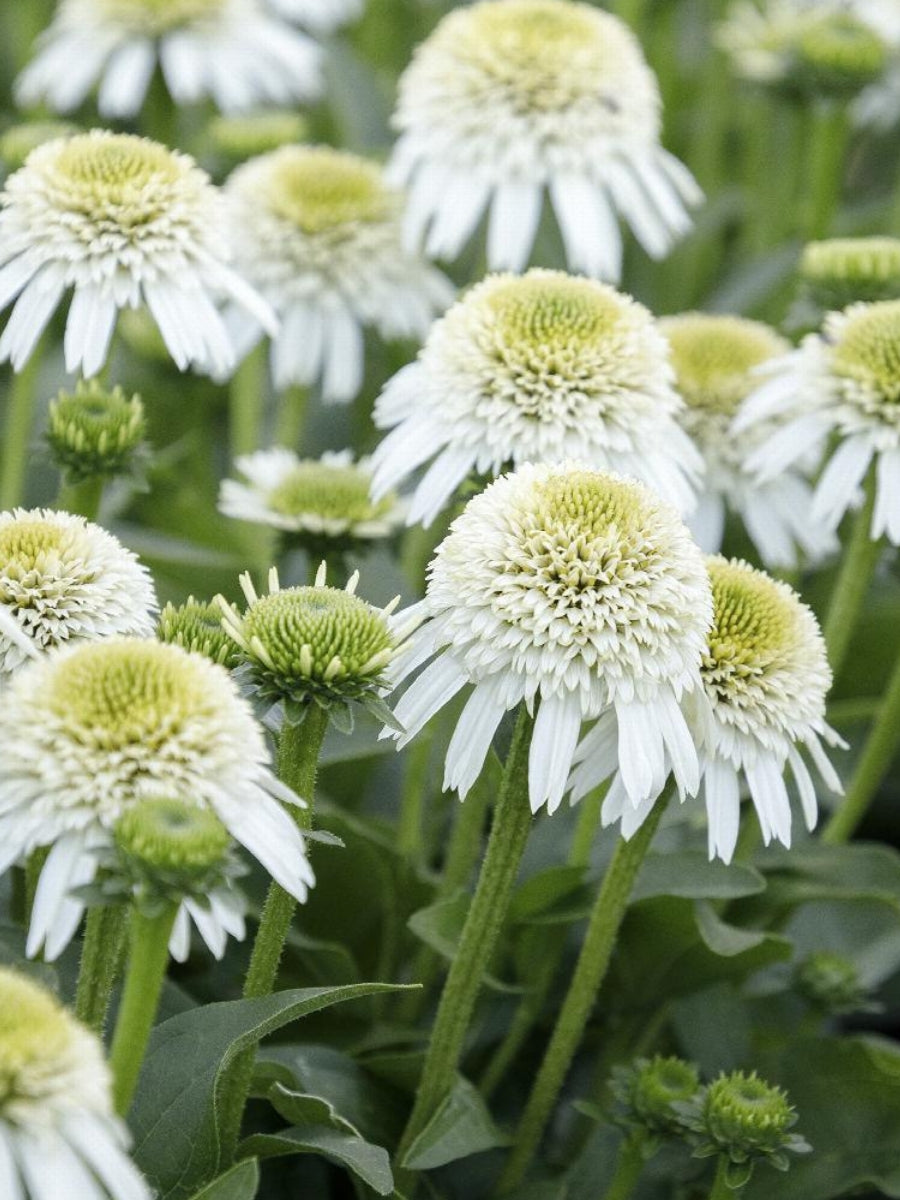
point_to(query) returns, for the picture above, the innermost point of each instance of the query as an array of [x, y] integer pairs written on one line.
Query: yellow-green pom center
[[868, 350], [332, 493], [318, 189], [714, 357], [553, 312], [753, 621], [159, 16], [34, 1030], [25, 545], [197, 627]]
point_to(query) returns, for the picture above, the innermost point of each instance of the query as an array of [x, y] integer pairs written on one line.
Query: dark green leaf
[[240, 1183], [690, 874], [461, 1126], [370, 1163]]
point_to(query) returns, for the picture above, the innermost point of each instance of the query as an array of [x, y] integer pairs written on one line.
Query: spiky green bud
[[840, 271], [648, 1090], [95, 432], [831, 984], [197, 626]]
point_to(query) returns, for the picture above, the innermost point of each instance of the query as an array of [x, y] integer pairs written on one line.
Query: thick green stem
[[246, 400], [17, 430], [291, 416], [101, 956], [509, 834], [299, 747], [148, 957], [83, 497], [857, 567], [825, 173], [873, 766], [629, 1166], [603, 927], [720, 1188]]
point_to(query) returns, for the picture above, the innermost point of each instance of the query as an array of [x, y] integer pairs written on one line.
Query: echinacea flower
[[844, 381], [319, 16], [89, 734], [715, 359], [577, 593], [58, 1131], [317, 231], [841, 271], [318, 498], [542, 367], [123, 221], [509, 98], [65, 580], [196, 626], [230, 50]]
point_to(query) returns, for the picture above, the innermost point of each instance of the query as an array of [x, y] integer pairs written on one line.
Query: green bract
[[92, 431]]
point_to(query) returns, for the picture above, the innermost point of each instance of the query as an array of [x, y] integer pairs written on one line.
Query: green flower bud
[[648, 1091], [171, 835], [838, 55], [17, 142], [830, 983], [245, 136], [197, 626], [840, 271], [94, 432]]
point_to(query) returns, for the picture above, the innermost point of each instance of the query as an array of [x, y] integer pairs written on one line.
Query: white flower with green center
[[58, 1131], [230, 50], [319, 16], [317, 231], [89, 734], [65, 580], [508, 98], [715, 358], [123, 221], [538, 368], [765, 678], [576, 592], [321, 498], [319, 645], [844, 381]]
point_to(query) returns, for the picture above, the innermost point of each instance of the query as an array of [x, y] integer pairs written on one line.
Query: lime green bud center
[[868, 351], [95, 432], [197, 627], [317, 189], [26, 546], [159, 16], [753, 622], [656, 1085], [258, 133], [168, 835], [34, 1031], [587, 507], [840, 53], [831, 982], [744, 1113], [550, 312], [714, 356], [856, 268], [332, 493]]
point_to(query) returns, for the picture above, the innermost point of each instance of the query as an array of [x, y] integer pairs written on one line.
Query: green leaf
[[440, 927], [544, 890], [369, 1163], [813, 871], [303, 1109], [175, 1113], [724, 939], [689, 873], [240, 1183], [461, 1126]]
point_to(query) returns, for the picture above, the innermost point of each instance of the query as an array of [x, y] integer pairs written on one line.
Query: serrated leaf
[[369, 1163], [240, 1183], [462, 1125]]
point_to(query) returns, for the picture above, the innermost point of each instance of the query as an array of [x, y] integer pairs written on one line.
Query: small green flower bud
[[197, 626], [830, 983], [17, 142], [94, 432], [648, 1089], [171, 836], [840, 271], [838, 55], [245, 136]]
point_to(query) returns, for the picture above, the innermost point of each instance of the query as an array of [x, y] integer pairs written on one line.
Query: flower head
[[839, 271], [90, 734], [196, 625], [64, 580], [509, 97], [647, 1091], [315, 499], [831, 984], [317, 231], [844, 381], [715, 359], [578, 589], [536, 368], [123, 221], [316, 644], [56, 1115], [230, 50], [94, 432]]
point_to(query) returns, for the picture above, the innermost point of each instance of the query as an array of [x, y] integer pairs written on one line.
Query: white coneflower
[[715, 358], [325, 497], [88, 734], [576, 591], [123, 221], [64, 580], [538, 368], [845, 380], [230, 50], [317, 231], [508, 98], [840, 271], [319, 16], [58, 1132]]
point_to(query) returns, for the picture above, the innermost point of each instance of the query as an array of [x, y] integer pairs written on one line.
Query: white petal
[[723, 808], [437, 685], [472, 739], [553, 743], [515, 212]]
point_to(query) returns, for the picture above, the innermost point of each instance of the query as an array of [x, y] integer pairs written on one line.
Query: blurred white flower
[[538, 368], [319, 16], [844, 381], [575, 592], [123, 221], [715, 358], [508, 98], [324, 497], [90, 733], [317, 231], [230, 50], [65, 580], [58, 1132]]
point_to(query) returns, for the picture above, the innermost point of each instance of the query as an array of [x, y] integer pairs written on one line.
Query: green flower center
[[745, 1112], [714, 356], [333, 493], [316, 188], [197, 627], [658, 1084], [753, 621], [25, 546], [868, 351], [321, 634], [841, 52], [158, 16], [545, 313], [94, 432], [34, 1030], [170, 835], [857, 261]]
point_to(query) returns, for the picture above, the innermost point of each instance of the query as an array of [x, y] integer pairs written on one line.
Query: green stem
[[83, 497], [720, 1188], [148, 957], [858, 564], [506, 845], [101, 955], [246, 400], [291, 417], [17, 430], [878, 754], [299, 747], [629, 1166], [603, 927], [825, 173]]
